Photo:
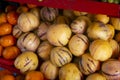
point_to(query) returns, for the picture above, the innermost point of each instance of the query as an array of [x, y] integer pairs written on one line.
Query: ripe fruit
[[4, 72], [3, 17], [11, 52], [7, 40], [22, 9], [34, 75], [12, 17], [5, 28], [8, 77]]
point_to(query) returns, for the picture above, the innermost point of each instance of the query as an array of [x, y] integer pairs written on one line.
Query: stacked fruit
[[112, 1], [54, 44]]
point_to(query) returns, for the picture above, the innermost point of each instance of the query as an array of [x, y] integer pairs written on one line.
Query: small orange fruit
[[8, 77], [31, 5], [7, 40], [34, 75], [1, 50], [11, 52], [4, 72], [3, 17], [22, 9], [12, 17], [5, 28]]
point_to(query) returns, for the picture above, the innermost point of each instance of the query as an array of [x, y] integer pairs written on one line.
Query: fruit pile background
[[53, 44], [111, 1]]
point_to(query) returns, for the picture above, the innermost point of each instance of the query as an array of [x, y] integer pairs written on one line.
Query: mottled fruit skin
[[100, 50], [88, 65], [26, 61], [49, 70], [48, 14], [70, 72], [111, 70], [78, 44], [99, 30], [60, 56], [96, 76], [59, 34], [28, 42], [28, 21]]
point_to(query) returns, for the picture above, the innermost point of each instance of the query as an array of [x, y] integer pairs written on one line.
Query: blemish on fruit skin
[[27, 61]]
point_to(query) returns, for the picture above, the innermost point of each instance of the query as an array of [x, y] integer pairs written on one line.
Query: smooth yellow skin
[[26, 61], [70, 72], [59, 34], [100, 50], [96, 76]]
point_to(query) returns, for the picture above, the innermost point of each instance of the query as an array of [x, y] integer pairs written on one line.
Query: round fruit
[[7, 40], [28, 41], [48, 14], [44, 50], [12, 17], [26, 61], [100, 50], [70, 72], [88, 65], [34, 75], [78, 44], [28, 21], [3, 17], [5, 28], [102, 18], [60, 56], [99, 30], [96, 76], [8, 77], [11, 52], [110, 68], [115, 22], [49, 70], [1, 50], [59, 34]]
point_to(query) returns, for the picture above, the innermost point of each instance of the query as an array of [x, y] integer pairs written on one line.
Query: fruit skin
[[12, 17], [48, 14], [95, 76], [70, 72], [100, 50], [28, 21], [11, 52], [78, 44], [8, 77], [59, 34], [22, 9], [110, 68], [102, 18], [7, 40], [88, 65], [99, 30], [26, 61], [3, 17], [28, 42], [60, 56], [49, 70], [5, 28], [34, 75], [116, 23]]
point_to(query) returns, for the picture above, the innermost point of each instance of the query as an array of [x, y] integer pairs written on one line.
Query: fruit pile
[[53, 44], [111, 1]]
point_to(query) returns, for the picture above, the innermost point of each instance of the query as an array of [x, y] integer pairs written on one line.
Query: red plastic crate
[[90, 6]]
